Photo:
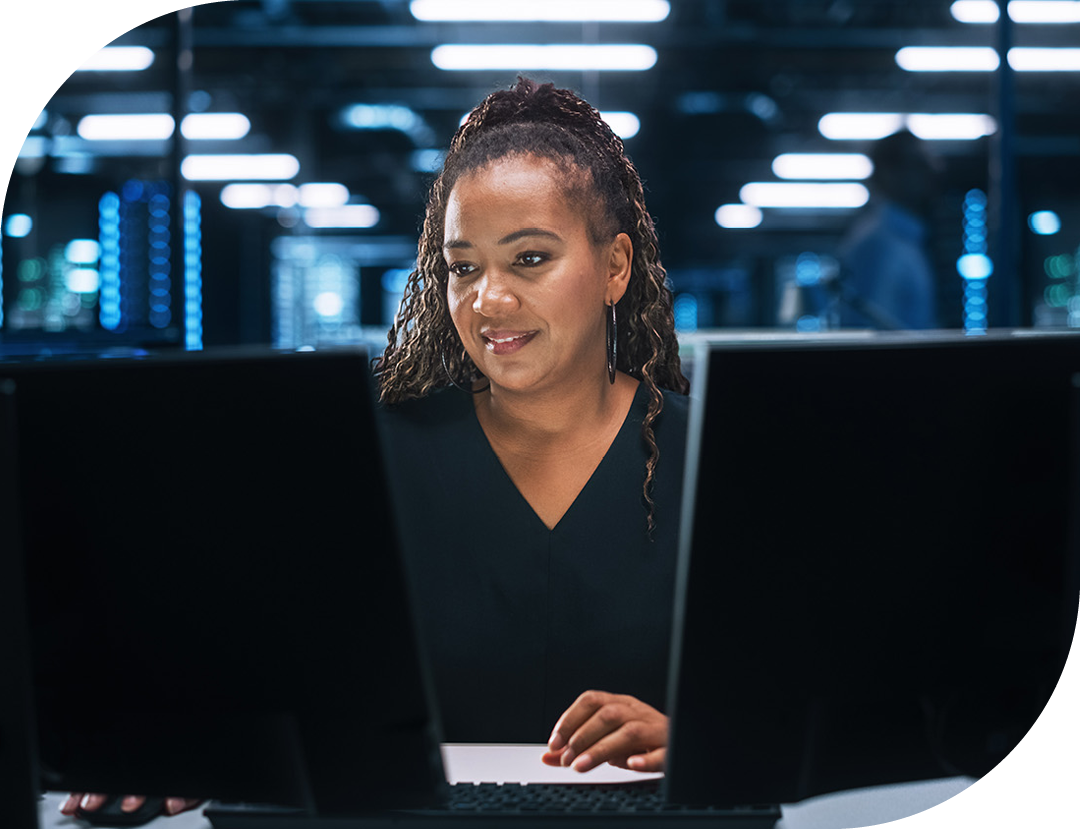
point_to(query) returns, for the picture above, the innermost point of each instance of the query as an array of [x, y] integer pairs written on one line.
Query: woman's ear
[[620, 260]]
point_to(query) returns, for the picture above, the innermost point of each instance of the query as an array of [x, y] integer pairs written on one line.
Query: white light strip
[[257, 196], [629, 57], [948, 59], [737, 216], [1030, 59], [220, 126], [623, 124], [870, 126], [950, 126], [802, 194], [159, 126], [634, 11], [250, 167], [859, 126], [323, 194], [1020, 11], [822, 166], [1045, 11], [119, 59], [975, 11], [348, 215], [143, 127]]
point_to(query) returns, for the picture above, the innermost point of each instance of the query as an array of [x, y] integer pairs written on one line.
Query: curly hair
[[424, 351]]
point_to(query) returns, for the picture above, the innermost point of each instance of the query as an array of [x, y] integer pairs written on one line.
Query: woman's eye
[[531, 259], [461, 268]]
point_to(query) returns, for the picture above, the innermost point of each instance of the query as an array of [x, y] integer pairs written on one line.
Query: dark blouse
[[517, 619]]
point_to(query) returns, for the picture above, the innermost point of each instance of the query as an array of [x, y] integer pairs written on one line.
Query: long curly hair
[[424, 351]]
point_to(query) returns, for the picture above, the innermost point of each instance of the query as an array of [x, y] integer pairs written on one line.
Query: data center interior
[[753, 125]]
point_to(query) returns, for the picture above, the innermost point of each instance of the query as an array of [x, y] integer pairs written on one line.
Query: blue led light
[[158, 227], [192, 272], [109, 313], [807, 269], [686, 312], [18, 225], [1044, 222], [974, 265], [1, 281]]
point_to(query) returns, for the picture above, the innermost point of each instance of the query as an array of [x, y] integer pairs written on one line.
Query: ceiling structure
[[735, 84]]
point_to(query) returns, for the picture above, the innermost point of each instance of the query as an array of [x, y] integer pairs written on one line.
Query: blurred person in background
[[886, 277]]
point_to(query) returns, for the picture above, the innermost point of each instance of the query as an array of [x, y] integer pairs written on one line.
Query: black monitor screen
[[878, 579]]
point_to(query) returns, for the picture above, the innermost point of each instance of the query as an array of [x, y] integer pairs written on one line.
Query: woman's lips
[[506, 342]]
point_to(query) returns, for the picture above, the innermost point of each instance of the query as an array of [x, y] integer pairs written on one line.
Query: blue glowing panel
[[192, 272]]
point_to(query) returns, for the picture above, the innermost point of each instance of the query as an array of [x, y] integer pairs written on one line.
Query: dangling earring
[[612, 341], [446, 368]]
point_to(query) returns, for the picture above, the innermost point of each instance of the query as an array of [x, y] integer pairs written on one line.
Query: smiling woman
[[532, 386]]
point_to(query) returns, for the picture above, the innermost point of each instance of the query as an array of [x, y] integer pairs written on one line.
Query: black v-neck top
[[517, 619]]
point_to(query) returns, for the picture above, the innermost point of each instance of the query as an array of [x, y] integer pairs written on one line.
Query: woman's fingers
[[71, 804], [130, 803], [176, 805], [649, 761], [600, 727], [92, 802]]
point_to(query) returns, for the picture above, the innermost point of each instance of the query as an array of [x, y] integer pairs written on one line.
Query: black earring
[[456, 384], [612, 343]]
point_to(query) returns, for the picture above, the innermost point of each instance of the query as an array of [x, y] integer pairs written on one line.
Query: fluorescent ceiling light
[[1020, 11], [1030, 59], [870, 126], [82, 280], [348, 215], [975, 11], [257, 196], [323, 194], [18, 225], [82, 251], [737, 216], [635, 11], [575, 57], [270, 167], [119, 59], [822, 165], [948, 59], [147, 127], [859, 126], [955, 126], [803, 194], [220, 126], [623, 124], [1045, 11]]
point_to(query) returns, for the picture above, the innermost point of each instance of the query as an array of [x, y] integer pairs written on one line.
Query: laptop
[[220, 610], [878, 580]]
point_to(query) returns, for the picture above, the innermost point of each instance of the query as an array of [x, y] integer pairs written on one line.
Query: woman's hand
[[93, 802], [609, 728]]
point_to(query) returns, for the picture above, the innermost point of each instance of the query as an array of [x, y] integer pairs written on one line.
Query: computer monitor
[[18, 745], [237, 501], [878, 568]]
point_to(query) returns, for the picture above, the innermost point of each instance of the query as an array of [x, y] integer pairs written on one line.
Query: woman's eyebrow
[[528, 231], [525, 232]]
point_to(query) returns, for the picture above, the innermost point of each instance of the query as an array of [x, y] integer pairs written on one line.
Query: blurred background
[[254, 172]]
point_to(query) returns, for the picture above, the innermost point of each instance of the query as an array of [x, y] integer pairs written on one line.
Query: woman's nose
[[494, 296]]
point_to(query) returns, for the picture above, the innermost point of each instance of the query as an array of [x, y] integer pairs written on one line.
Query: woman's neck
[[566, 417]]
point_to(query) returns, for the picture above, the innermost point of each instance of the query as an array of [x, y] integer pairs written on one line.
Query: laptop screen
[[876, 582], [214, 585]]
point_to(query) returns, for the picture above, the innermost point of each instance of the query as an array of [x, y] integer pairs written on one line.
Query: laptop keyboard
[[492, 805]]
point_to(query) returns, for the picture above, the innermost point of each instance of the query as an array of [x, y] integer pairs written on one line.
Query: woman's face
[[528, 288]]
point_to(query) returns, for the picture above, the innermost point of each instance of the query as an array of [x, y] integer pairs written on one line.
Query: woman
[[543, 553], [526, 423]]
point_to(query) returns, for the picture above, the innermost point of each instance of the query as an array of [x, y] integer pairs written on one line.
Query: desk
[[863, 807]]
